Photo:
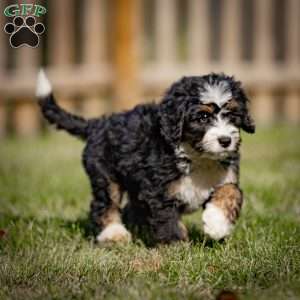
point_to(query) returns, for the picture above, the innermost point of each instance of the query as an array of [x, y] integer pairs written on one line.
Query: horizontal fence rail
[[104, 56]]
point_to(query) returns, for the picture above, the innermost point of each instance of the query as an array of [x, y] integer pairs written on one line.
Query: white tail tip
[[43, 87]]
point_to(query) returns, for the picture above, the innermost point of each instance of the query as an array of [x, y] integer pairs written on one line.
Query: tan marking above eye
[[206, 108]]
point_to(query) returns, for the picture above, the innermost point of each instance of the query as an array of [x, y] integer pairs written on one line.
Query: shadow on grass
[[196, 237], [88, 231]]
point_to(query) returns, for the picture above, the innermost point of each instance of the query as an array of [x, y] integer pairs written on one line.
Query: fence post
[[292, 106], [292, 32], [231, 36], [93, 52], [94, 32], [126, 54], [62, 41], [292, 103], [263, 102], [198, 32], [26, 117], [61, 32], [165, 32]]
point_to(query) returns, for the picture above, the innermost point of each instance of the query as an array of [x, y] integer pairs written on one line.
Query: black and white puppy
[[169, 158]]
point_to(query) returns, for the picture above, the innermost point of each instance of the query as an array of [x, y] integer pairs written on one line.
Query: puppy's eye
[[204, 116]]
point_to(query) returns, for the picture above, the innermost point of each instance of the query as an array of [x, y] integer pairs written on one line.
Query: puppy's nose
[[224, 141]]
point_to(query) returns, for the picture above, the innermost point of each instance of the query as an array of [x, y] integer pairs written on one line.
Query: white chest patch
[[193, 193], [194, 189]]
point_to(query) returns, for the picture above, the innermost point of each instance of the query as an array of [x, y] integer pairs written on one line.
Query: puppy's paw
[[215, 223], [114, 233]]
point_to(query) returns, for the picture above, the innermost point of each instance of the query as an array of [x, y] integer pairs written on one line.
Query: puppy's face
[[214, 118], [213, 130], [206, 112]]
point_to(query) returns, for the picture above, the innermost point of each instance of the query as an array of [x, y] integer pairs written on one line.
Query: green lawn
[[45, 253]]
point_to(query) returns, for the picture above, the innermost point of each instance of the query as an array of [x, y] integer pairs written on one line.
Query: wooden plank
[[249, 74], [94, 32], [73, 80], [263, 33], [165, 31], [126, 53], [263, 103], [293, 33], [61, 32], [292, 106], [62, 42], [263, 107], [94, 106], [27, 59], [231, 35], [292, 103], [198, 32], [81, 80], [94, 27], [26, 117]]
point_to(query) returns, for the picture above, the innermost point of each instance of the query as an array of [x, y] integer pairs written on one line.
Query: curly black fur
[[137, 150]]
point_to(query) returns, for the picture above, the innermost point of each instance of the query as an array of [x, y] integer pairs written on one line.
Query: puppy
[[169, 158]]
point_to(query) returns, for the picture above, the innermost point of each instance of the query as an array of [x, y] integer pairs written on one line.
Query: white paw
[[114, 233], [215, 223]]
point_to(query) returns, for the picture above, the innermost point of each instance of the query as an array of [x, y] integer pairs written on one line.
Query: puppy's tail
[[75, 125]]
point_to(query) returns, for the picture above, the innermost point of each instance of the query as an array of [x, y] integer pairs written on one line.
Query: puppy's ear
[[171, 114], [248, 124]]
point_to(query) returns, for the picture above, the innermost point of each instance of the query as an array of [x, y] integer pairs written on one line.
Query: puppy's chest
[[194, 189]]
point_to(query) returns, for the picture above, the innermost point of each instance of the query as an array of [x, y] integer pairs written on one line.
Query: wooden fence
[[104, 56]]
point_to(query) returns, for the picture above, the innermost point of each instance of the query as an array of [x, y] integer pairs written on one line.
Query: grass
[[45, 254]]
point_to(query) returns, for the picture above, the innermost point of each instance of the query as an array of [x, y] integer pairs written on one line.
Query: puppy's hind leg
[[105, 208]]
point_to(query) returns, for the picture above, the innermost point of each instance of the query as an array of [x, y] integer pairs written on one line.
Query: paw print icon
[[24, 32]]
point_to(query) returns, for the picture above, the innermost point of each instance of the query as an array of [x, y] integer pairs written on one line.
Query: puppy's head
[[207, 113]]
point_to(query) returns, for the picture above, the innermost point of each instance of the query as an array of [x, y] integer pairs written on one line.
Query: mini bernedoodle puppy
[[169, 158]]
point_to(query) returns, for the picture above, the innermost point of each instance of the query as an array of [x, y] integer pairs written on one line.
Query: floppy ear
[[248, 123], [171, 114]]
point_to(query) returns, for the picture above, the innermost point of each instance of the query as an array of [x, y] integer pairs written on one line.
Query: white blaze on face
[[218, 93], [221, 127]]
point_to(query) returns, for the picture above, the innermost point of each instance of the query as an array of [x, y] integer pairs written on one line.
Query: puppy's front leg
[[222, 210]]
